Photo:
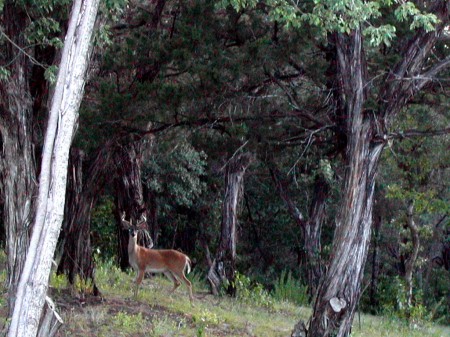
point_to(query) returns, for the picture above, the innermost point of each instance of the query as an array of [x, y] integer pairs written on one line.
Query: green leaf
[[51, 74]]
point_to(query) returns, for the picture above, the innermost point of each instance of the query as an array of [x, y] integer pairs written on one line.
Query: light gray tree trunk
[[33, 284]]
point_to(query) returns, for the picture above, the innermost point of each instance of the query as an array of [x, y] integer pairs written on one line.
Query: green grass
[[158, 313]]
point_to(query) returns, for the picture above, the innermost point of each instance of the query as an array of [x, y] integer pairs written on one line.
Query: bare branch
[[429, 75], [418, 133]]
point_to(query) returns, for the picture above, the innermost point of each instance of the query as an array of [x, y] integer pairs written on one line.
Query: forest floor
[[157, 312]]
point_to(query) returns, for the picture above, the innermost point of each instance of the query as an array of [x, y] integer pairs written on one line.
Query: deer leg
[[171, 276], [138, 281], [188, 284]]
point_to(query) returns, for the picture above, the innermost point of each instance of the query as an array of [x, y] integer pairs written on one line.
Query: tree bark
[[33, 284], [339, 291], [313, 230], [77, 259], [17, 164], [375, 264], [409, 268], [129, 193], [224, 266]]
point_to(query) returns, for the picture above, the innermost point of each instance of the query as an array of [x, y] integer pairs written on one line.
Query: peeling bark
[[224, 266], [17, 163], [129, 193]]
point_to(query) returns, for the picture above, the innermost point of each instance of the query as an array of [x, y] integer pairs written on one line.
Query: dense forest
[[260, 138]]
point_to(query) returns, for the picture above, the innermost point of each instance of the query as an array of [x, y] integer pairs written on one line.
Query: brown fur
[[171, 263]]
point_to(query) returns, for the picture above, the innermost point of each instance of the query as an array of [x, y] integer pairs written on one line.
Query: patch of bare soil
[[77, 306]]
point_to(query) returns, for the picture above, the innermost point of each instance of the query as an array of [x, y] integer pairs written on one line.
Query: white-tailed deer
[[170, 262]]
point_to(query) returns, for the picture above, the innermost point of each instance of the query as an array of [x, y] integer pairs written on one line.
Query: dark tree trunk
[[224, 266], [129, 193], [313, 229], [17, 165], [255, 239], [153, 224], [77, 259], [375, 261]]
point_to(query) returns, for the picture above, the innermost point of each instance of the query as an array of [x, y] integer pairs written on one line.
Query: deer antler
[[126, 224], [141, 222]]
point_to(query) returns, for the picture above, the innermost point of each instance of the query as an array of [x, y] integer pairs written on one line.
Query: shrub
[[252, 292], [287, 288]]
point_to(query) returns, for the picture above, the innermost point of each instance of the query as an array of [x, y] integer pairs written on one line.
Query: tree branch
[[417, 133], [429, 75]]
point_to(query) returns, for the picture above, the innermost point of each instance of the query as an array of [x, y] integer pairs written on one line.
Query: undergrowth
[[156, 312]]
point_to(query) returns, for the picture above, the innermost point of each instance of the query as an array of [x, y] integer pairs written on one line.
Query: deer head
[[134, 228]]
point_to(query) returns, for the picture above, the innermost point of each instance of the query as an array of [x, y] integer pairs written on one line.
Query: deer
[[172, 263]]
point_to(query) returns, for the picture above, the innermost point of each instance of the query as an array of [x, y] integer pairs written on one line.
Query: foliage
[[126, 324], [249, 292], [204, 319], [103, 229], [287, 288], [177, 173], [344, 16]]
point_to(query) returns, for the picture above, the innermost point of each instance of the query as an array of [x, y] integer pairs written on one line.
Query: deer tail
[[188, 265]]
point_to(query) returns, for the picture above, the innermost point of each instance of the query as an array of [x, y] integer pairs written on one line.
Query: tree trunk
[[313, 231], [312, 228], [339, 290], [373, 290], [33, 284], [17, 165], [409, 268], [77, 259], [129, 193], [224, 267], [153, 224]]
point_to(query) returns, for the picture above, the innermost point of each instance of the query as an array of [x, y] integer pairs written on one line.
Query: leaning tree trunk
[[129, 193], [339, 290], [223, 268], [33, 284], [17, 166]]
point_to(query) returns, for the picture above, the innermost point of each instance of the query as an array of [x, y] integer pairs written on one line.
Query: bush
[[287, 288], [251, 292]]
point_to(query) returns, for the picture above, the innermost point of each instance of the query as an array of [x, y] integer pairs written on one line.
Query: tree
[[66, 99], [223, 269], [362, 117], [18, 175]]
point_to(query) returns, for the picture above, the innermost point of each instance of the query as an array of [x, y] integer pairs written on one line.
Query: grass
[[158, 313]]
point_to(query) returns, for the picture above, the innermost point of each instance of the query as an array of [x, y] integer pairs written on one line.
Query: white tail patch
[[188, 265]]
